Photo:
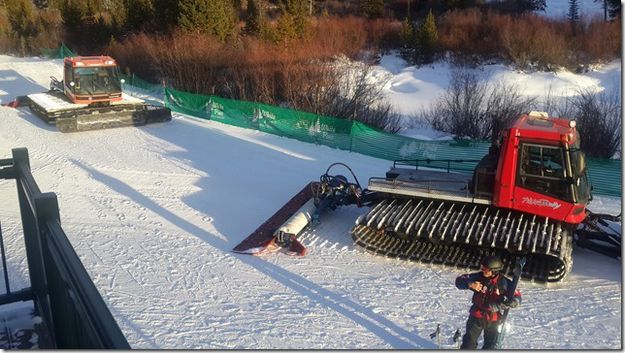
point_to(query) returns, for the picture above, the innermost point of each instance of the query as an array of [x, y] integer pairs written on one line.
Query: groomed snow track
[[460, 234]]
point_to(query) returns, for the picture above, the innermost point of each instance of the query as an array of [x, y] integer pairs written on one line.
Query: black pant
[[474, 329]]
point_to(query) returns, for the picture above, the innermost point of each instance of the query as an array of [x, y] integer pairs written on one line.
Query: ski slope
[[153, 213]]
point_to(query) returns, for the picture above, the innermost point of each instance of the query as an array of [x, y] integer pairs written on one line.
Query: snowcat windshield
[[96, 80]]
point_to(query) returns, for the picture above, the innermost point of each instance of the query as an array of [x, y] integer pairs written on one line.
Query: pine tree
[[21, 17], [614, 8], [94, 6], [372, 8], [285, 28], [224, 19], [167, 12], [531, 5], [604, 6], [117, 11], [215, 17], [427, 39], [573, 15], [407, 37], [140, 13], [254, 18], [611, 8], [297, 9], [72, 13], [194, 16], [41, 4]]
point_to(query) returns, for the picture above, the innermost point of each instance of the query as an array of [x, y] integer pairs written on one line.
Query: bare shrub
[[528, 41], [49, 29], [601, 40], [503, 105], [557, 106], [383, 34], [465, 35], [598, 117], [350, 95], [5, 32], [300, 75], [474, 109], [459, 111], [533, 42], [330, 36], [44, 31], [189, 62]]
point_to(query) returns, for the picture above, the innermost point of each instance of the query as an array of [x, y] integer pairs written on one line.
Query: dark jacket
[[488, 304]]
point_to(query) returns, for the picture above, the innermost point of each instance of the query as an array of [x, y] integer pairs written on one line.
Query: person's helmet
[[494, 263]]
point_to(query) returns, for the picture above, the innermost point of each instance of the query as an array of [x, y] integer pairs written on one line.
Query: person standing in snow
[[490, 293]]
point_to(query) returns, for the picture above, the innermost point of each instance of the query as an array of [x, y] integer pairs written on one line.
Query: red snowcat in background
[[90, 97]]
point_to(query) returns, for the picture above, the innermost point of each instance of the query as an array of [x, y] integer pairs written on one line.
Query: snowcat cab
[[90, 97], [91, 79], [540, 169]]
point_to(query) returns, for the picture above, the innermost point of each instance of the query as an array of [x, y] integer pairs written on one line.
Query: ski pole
[[437, 334], [457, 338]]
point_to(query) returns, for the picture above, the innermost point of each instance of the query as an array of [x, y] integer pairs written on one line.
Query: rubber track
[[459, 235], [95, 118]]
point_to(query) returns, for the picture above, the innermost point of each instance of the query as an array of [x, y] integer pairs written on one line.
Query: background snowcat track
[[459, 235], [102, 117]]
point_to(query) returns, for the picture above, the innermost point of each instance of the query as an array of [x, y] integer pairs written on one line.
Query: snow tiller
[[526, 198], [90, 97]]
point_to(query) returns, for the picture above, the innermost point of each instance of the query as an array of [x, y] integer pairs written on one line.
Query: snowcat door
[[69, 85]]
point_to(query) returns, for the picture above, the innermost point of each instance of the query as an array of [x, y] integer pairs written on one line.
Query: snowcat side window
[[542, 170]]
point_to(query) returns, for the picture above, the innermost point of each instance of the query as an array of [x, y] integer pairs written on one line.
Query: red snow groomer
[[90, 97], [526, 198]]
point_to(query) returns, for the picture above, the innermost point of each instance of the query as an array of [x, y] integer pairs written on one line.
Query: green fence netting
[[138, 83], [358, 137], [377, 143], [57, 53], [304, 126], [606, 176], [187, 103]]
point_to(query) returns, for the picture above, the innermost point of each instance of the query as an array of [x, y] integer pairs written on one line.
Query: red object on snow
[[263, 240], [13, 104]]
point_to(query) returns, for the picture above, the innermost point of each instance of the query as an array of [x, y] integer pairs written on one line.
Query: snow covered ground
[[413, 89], [153, 213]]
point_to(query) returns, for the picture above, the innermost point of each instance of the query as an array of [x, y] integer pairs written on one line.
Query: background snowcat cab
[[91, 79]]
